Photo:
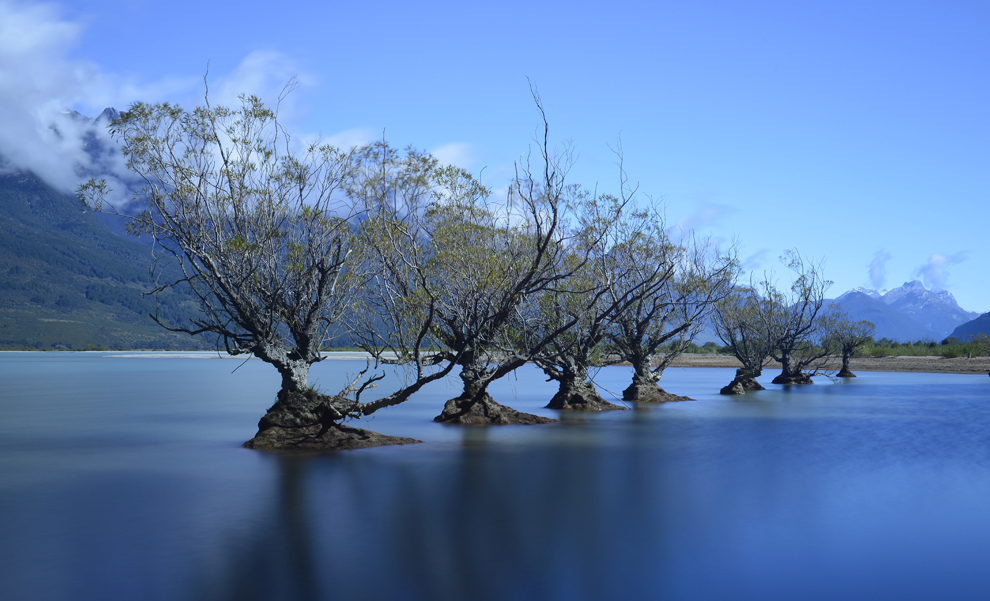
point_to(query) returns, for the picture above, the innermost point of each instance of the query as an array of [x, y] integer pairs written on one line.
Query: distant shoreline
[[956, 365]]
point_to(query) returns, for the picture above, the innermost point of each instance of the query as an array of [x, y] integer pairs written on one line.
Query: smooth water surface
[[122, 478]]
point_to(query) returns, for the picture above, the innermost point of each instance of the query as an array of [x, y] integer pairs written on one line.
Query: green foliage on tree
[[257, 230], [847, 338]]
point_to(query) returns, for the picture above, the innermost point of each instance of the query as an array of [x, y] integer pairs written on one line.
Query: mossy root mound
[[301, 422], [581, 400], [650, 393], [741, 386], [483, 410], [797, 379]]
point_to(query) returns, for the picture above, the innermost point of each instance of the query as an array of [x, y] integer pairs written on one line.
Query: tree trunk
[[844, 372], [295, 375], [476, 406], [304, 419], [744, 381], [576, 394], [292, 363], [644, 387], [307, 420], [797, 378], [789, 375]]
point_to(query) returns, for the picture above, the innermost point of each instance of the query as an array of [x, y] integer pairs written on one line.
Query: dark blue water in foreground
[[122, 478]]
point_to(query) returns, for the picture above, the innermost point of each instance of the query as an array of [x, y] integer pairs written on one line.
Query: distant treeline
[[949, 348]]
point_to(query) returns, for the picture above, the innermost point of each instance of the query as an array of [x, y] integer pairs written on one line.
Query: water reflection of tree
[[276, 560], [506, 522], [566, 520]]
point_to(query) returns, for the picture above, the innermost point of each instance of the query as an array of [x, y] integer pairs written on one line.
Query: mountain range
[[907, 313]]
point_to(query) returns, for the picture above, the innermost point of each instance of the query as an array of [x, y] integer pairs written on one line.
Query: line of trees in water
[[288, 247]]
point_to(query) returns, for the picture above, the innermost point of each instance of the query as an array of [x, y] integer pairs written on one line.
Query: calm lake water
[[122, 478]]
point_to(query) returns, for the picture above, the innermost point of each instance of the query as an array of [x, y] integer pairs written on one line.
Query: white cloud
[[351, 138], [40, 81], [33, 30], [270, 76], [934, 272], [37, 83], [878, 269], [457, 154], [755, 260], [705, 216]]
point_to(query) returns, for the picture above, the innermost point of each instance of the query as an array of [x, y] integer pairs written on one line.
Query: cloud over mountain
[[43, 85], [40, 82], [934, 272], [878, 269]]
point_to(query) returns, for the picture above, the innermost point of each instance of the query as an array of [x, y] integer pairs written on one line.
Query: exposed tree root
[[483, 410], [798, 378], [741, 386], [650, 393], [581, 398], [301, 421]]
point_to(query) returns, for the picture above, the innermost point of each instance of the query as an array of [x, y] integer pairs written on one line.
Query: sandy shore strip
[[958, 365]]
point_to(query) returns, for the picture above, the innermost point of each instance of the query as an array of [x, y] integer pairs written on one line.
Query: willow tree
[[410, 259], [460, 267], [620, 270], [263, 236], [847, 338], [739, 322], [580, 316], [799, 320], [486, 268], [652, 331], [790, 326], [570, 357]]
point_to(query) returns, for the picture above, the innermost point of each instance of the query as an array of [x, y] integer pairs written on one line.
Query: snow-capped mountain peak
[[936, 310], [867, 291]]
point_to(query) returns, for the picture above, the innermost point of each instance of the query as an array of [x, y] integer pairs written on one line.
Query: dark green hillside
[[966, 332], [67, 281]]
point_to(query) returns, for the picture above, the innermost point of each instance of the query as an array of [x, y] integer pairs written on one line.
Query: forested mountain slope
[[980, 325], [66, 281]]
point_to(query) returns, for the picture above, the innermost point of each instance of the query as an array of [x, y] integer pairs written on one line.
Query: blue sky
[[858, 133]]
